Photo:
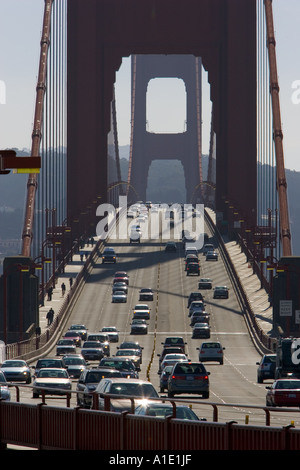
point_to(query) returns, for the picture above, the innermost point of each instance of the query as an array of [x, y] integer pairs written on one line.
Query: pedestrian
[[71, 282], [50, 292], [50, 316], [63, 289]]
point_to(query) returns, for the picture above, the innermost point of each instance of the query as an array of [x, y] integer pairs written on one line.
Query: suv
[[109, 255], [266, 368], [193, 268], [188, 377], [191, 259], [174, 341]]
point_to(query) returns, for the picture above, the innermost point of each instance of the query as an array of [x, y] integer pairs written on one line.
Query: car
[[109, 255], [163, 378], [76, 337], [132, 345], [120, 286], [139, 326], [104, 340], [88, 382], [135, 235], [92, 350], [174, 341], [170, 360], [64, 346], [122, 276], [191, 259], [146, 294], [164, 410], [191, 250], [170, 247], [188, 377], [112, 333], [283, 392], [205, 283], [208, 247], [212, 256], [169, 350], [266, 368], [16, 370], [75, 364], [48, 362], [195, 296], [132, 354], [221, 292], [5, 394], [141, 389], [80, 329], [211, 351], [199, 317], [193, 268], [124, 365], [141, 311], [196, 305], [201, 330], [119, 297], [51, 381]]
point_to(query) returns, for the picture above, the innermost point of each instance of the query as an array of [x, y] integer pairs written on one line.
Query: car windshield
[[127, 352], [269, 359], [92, 344], [2, 378], [210, 345], [13, 364], [48, 363], [50, 374], [141, 307], [96, 376], [65, 342], [133, 389], [74, 361], [119, 365]]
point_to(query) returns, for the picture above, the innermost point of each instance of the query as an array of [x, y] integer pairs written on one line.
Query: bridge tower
[[148, 146]]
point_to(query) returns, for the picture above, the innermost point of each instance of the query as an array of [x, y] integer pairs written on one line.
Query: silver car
[[188, 377], [211, 351], [4, 390], [16, 370]]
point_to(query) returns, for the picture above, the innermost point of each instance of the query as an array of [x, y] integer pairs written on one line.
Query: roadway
[[148, 265]]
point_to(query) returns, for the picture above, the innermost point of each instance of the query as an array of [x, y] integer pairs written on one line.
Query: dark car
[[191, 259], [188, 377], [65, 346], [212, 256], [109, 255], [199, 317], [201, 330], [164, 377], [171, 247], [164, 410], [193, 268], [174, 341], [266, 367], [125, 366], [92, 350], [88, 382], [221, 292], [195, 296]]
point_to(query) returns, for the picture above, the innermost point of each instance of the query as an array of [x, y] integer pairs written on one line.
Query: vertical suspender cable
[[285, 233], [36, 135]]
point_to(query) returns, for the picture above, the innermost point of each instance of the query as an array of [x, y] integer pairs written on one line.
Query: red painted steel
[[45, 427]]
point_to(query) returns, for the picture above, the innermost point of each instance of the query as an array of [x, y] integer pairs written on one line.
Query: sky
[[20, 34]]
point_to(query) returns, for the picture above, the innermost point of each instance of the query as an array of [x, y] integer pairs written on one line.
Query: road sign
[[286, 308]]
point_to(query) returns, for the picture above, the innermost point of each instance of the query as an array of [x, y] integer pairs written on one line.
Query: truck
[[288, 358]]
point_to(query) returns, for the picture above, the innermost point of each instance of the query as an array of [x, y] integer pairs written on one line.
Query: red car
[[74, 336], [284, 392], [121, 276]]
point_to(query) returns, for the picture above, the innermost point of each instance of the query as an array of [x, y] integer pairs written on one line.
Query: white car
[[112, 333], [141, 311], [119, 297], [51, 382]]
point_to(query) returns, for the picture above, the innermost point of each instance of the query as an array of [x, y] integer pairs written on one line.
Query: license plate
[[189, 377], [292, 395]]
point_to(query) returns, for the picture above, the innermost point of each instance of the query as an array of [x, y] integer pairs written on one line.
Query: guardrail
[[51, 428]]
